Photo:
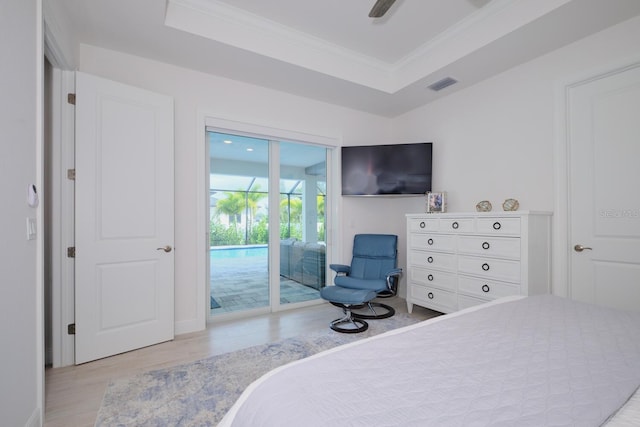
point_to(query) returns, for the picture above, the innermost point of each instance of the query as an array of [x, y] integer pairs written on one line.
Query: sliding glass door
[[303, 190], [238, 214], [248, 270]]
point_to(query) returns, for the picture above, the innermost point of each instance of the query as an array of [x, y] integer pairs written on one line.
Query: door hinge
[[71, 174], [71, 98], [71, 252], [71, 329]]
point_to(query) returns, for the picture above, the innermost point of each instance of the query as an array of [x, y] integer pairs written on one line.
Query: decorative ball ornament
[[484, 206], [510, 205]]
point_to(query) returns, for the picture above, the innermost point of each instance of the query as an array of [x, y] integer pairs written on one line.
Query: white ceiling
[[331, 50]]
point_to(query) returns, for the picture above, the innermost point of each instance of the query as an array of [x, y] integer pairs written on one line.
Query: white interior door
[[604, 131], [124, 218]]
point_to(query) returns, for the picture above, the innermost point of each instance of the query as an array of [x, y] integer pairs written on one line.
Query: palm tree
[[320, 199], [252, 198], [291, 213], [232, 205], [320, 202], [238, 202], [251, 205]]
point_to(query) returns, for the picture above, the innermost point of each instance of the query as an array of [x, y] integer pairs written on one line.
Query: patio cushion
[[303, 262]]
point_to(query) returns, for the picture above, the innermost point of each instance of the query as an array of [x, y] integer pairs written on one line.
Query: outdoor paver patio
[[242, 283]]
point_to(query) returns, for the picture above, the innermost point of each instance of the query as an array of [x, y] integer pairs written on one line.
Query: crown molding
[[494, 21], [236, 27]]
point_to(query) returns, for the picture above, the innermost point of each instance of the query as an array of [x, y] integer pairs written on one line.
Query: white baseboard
[[35, 420], [188, 326]]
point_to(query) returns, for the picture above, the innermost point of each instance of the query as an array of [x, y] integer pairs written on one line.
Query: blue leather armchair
[[373, 273]]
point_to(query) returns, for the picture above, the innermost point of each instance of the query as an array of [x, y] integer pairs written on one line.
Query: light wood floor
[[74, 394]]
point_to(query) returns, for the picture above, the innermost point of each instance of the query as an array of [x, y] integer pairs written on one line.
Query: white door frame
[[561, 244], [59, 50], [62, 218], [211, 120]]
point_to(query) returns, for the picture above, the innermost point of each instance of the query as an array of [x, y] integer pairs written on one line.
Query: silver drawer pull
[[497, 225], [422, 224], [430, 242], [485, 267], [485, 288], [455, 225], [430, 260], [430, 295], [485, 245], [430, 277]]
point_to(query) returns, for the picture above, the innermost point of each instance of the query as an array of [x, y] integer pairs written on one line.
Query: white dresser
[[457, 260]]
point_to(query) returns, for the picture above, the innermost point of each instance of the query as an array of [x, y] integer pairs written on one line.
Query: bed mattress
[[534, 361]]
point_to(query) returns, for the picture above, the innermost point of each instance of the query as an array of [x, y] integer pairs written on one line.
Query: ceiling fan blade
[[380, 8]]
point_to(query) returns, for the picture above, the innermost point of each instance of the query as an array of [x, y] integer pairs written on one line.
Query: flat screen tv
[[387, 170]]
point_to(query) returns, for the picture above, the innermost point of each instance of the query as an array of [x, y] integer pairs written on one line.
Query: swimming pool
[[238, 252]]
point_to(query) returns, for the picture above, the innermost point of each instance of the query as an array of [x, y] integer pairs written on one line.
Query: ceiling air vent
[[441, 84]]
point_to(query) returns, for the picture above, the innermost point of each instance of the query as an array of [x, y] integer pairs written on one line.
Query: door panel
[[124, 149], [303, 183], [134, 279], [624, 291], [605, 204], [124, 218], [239, 192]]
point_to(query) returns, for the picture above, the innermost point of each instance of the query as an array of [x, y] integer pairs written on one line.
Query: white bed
[[534, 361]]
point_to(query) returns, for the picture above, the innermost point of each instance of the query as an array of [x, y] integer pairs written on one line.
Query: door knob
[[167, 248], [580, 248]]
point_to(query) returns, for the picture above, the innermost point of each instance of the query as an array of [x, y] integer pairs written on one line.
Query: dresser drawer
[[435, 242], [503, 247], [489, 268], [486, 289], [423, 224], [466, 302], [436, 299], [499, 226], [457, 225], [437, 260], [435, 278]]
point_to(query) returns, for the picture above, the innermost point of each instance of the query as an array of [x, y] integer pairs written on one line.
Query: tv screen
[[383, 170]]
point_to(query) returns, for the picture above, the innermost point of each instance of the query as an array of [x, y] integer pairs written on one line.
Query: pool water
[[239, 252]]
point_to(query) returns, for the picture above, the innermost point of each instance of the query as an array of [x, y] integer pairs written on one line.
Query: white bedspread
[[535, 361]]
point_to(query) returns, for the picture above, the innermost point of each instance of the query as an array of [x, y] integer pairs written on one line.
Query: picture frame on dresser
[[436, 202]]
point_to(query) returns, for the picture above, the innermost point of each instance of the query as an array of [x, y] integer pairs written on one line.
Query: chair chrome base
[[384, 311], [355, 325]]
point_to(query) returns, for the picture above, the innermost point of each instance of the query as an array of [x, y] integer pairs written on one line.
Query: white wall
[[494, 140], [21, 362], [232, 100], [498, 139]]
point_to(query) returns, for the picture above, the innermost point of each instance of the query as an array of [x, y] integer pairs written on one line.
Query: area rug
[[200, 393]]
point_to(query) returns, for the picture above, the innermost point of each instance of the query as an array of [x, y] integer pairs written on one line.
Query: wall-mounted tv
[[387, 170]]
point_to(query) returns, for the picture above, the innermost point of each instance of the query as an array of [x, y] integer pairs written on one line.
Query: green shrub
[[220, 235], [259, 232]]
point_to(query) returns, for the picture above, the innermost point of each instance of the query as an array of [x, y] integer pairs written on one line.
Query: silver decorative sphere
[[510, 205], [484, 206]]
